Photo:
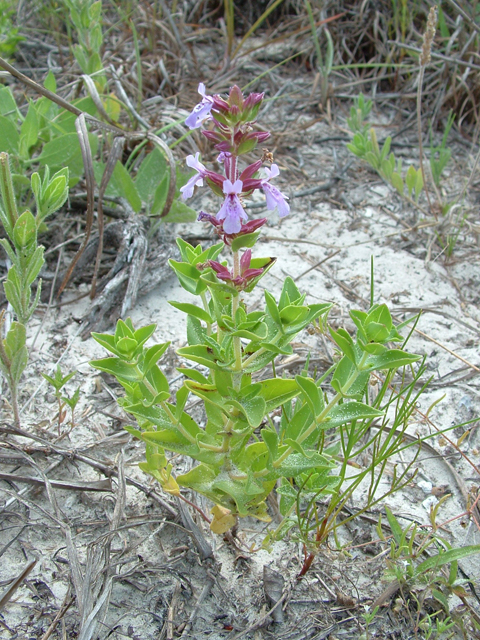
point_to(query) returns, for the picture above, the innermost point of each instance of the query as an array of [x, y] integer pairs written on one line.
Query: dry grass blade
[[456, 355], [173, 26], [95, 586], [101, 485], [437, 56], [255, 26], [122, 93], [207, 587], [204, 549], [114, 155], [273, 586], [138, 251], [67, 603], [82, 133], [92, 90], [16, 583], [465, 15], [104, 468]]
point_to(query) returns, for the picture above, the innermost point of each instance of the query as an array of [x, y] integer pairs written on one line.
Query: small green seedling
[[58, 381]]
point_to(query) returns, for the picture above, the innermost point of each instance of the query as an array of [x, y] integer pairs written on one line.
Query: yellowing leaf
[[223, 519], [112, 107]]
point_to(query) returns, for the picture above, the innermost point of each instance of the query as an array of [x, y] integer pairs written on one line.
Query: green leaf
[[274, 348], [152, 356], [343, 372], [245, 241], [376, 332], [301, 420], [343, 340], [9, 137], [312, 394], [160, 196], [29, 130], [172, 441], [141, 335], [60, 150], [392, 359], [16, 351], [373, 160], [290, 294], [418, 184], [394, 525], [270, 437], [272, 308], [380, 314], [223, 383], [446, 557], [116, 367], [25, 231], [252, 408], [180, 213], [397, 182], [296, 463], [125, 185], [195, 331], [107, 340], [8, 106], [64, 151], [200, 354], [181, 400], [50, 83], [385, 149], [293, 314], [13, 291], [411, 179], [54, 193], [35, 263], [350, 411], [126, 347], [193, 374], [359, 152], [277, 391], [188, 276], [65, 121]]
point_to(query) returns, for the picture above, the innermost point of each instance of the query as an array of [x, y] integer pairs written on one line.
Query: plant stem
[[205, 306], [237, 346], [419, 131]]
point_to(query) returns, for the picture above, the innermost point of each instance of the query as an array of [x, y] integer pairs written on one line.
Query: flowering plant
[[242, 453]]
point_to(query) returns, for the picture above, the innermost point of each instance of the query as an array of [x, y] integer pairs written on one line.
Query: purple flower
[[275, 198], [201, 111], [232, 211], [193, 162], [223, 156]]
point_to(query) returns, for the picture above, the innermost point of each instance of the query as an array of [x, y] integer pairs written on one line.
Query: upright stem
[[237, 347], [205, 306], [419, 130], [7, 369]]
